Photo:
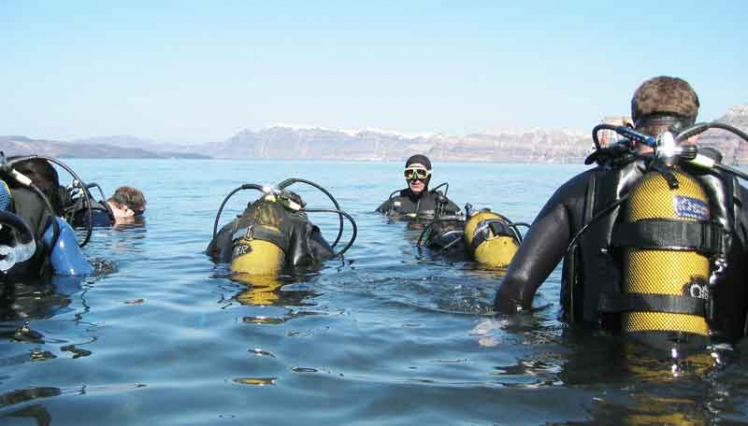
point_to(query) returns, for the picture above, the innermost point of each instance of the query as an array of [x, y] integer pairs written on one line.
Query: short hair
[[131, 197], [662, 102]]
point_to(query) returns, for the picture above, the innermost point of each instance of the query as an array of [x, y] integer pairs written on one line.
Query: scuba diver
[[34, 240], [417, 201], [653, 238], [274, 233], [486, 237], [125, 206]]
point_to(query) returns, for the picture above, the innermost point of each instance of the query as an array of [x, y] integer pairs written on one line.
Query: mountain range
[[306, 143]]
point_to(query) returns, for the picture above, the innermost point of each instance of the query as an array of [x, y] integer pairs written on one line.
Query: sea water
[[386, 335]]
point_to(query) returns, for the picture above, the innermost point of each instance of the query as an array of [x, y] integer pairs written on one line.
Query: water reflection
[[24, 395], [42, 298], [271, 297], [265, 290], [36, 412], [261, 289], [257, 381], [23, 302], [642, 386], [121, 239]]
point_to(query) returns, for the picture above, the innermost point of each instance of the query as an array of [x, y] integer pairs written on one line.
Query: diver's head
[[418, 173], [127, 203], [44, 176], [664, 103]]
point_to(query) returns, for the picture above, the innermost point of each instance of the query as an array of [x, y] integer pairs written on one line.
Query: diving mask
[[416, 173]]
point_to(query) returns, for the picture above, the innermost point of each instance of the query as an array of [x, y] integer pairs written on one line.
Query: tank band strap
[[703, 237], [652, 303], [487, 228], [254, 232]]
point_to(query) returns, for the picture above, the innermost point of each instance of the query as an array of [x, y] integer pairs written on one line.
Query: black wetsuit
[[101, 214], [594, 268], [427, 204]]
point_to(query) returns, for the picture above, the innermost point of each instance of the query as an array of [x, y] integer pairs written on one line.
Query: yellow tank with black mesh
[[664, 272], [497, 250]]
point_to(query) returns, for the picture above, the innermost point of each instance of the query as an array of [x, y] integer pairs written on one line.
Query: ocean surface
[[161, 335]]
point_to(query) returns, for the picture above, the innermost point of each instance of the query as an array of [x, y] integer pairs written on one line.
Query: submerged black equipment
[[80, 208], [261, 250], [488, 237], [673, 251]]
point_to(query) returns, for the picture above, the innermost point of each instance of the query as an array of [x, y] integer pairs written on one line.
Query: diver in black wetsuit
[[594, 267], [125, 206], [298, 239], [417, 201], [33, 190], [274, 233]]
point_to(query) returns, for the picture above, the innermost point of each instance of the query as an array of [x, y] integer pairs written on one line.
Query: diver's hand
[[507, 301]]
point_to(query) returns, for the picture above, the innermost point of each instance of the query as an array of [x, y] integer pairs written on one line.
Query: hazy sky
[[183, 71]]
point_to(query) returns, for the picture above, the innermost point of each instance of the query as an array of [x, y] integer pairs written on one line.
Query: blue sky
[[183, 71]]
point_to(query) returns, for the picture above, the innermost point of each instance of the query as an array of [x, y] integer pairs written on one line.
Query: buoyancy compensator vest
[[429, 205]]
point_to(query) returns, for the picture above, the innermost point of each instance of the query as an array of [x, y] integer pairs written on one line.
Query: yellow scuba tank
[[256, 257], [490, 239], [665, 271], [258, 245]]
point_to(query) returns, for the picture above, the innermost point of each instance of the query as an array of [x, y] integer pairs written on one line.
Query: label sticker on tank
[[690, 208]]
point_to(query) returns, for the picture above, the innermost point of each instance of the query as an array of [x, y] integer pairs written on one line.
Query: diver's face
[[416, 186], [417, 178], [124, 214]]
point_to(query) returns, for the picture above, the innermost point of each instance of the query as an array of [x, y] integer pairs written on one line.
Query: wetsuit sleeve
[[541, 250], [65, 253]]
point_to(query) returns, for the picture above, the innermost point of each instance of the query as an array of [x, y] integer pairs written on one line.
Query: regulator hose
[[225, 200]]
